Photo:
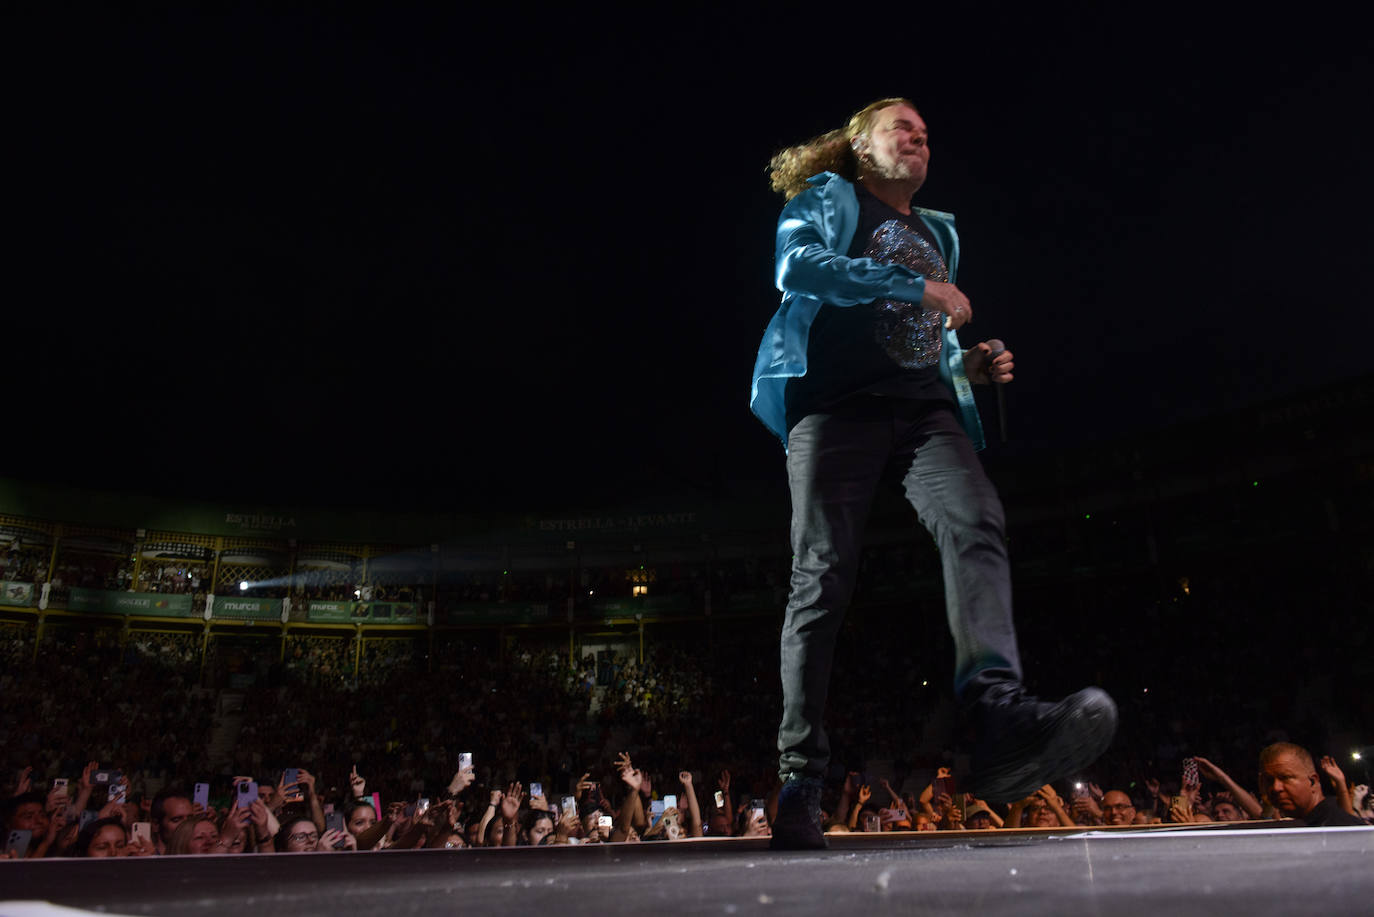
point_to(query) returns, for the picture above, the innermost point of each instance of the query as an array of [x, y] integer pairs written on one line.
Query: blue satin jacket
[[814, 231]]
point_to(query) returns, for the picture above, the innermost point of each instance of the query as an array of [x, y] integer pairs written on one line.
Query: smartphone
[[942, 785], [333, 821], [605, 821], [756, 805], [569, 805], [536, 789], [59, 783], [19, 841], [291, 784], [1190, 773], [247, 794], [720, 800], [421, 806], [118, 792], [86, 817], [465, 761], [655, 811], [201, 797], [873, 824], [670, 801], [143, 831], [329, 808], [1081, 791]]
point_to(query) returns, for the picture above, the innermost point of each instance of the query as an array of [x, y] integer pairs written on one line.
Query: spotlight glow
[[243, 586]]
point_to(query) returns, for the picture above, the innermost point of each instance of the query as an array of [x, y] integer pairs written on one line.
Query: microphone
[[998, 348]]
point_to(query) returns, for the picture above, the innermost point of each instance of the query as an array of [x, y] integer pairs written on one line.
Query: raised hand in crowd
[[265, 824], [1333, 770], [86, 786], [631, 814], [510, 808], [693, 826], [462, 779], [306, 782], [233, 830], [357, 785], [728, 809], [490, 815], [1238, 793], [864, 795], [567, 829], [334, 837], [1085, 810], [25, 783], [756, 824]]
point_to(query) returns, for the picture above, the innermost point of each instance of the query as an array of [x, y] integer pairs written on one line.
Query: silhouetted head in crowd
[[1224, 808], [104, 837], [591, 827], [1117, 808], [1288, 779], [535, 826], [197, 835], [297, 835], [171, 807], [1038, 814], [27, 812], [978, 817], [358, 817]]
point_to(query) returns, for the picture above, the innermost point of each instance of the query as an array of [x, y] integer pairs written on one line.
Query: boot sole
[[1067, 746]]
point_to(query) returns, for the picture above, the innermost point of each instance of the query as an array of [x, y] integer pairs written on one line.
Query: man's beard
[[900, 169]]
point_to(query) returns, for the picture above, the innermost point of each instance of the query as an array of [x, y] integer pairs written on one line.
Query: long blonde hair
[[832, 151]]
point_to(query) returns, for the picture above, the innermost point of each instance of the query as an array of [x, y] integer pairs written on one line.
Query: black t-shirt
[[1329, 814], [885, 347]]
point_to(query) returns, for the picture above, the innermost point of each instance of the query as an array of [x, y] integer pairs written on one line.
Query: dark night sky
[[524, 262]]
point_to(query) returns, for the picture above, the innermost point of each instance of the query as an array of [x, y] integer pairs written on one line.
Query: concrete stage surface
[[1169, 872]]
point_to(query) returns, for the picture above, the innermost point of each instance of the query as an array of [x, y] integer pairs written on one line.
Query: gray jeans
[[836, 460]]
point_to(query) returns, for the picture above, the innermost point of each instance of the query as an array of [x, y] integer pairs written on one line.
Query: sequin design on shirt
[[907, 332]]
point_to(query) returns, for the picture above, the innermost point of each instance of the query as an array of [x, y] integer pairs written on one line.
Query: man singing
[[861, 375]]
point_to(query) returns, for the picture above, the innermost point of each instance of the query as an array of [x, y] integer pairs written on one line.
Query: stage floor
[[1177, 871]]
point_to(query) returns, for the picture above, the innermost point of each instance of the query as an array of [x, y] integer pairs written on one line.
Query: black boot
[[1025, 743], [798, 825]]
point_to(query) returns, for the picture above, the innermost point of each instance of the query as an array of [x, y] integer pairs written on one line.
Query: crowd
[[605, 749]]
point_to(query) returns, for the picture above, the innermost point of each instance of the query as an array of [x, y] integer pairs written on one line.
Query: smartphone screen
[[465, 760], [118, 792], [421, 806], [655, 812], [59, 783], [18, 840], [569, 805], [670, 801], [720, 799], [605, 821], [536, 789]]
